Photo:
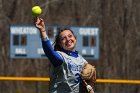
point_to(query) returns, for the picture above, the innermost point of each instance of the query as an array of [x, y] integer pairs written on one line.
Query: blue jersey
[[65, 70], [66, 77]]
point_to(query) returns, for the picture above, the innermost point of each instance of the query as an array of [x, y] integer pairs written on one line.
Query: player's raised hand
[[39, 23]]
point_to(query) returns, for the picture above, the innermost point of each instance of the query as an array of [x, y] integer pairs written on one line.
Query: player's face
[[67, 40]]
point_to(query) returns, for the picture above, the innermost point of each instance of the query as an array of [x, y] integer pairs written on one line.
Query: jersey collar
[[71, 53]]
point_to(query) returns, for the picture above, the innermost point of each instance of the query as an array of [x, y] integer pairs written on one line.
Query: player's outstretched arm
[[53, 56], [40, 25]]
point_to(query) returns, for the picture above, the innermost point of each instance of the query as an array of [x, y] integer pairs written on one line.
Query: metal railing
[[48, 79]]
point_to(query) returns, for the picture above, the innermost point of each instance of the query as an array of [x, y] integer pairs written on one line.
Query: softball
[[36, 11]]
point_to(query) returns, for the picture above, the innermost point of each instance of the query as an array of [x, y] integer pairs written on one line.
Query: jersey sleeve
[[52, 55], [85, 61]]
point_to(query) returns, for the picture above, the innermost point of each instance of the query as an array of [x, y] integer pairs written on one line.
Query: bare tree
[[118, 22]]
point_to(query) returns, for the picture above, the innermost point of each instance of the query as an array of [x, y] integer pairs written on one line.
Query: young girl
[[65, 60]]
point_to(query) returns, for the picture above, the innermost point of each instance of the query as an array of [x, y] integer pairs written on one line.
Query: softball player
[[65, 60]]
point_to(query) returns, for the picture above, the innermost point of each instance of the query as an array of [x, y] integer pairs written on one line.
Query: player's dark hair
[[57, 46]]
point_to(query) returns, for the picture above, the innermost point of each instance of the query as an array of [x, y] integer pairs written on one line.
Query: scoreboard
[[25, 41]]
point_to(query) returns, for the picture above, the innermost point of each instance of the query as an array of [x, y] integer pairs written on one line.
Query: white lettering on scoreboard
[[23, 30], [88, 31], [40, 51], [84, 52], [92, 52], [20, 51]]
